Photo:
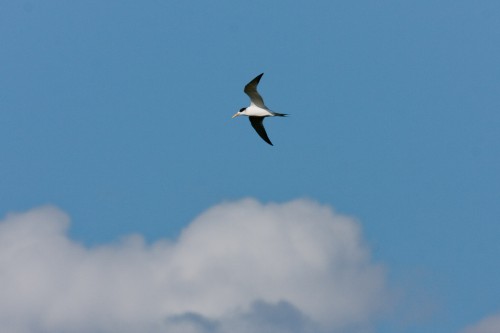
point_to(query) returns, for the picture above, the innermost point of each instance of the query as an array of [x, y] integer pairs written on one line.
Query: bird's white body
[[254, 110]]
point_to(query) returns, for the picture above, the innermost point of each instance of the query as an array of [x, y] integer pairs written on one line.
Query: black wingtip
[[266, 139]]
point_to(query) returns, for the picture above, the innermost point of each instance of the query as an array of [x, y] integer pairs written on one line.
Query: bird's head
[[239, 113]]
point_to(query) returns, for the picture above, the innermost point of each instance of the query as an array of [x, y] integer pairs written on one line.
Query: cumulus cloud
[[489, 324], [241, 266]]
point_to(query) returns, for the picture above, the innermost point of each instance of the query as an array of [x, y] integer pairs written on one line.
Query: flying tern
[[257, 110]]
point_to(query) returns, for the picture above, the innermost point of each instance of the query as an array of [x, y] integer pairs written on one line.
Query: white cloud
[[489, 324], [242, 266]]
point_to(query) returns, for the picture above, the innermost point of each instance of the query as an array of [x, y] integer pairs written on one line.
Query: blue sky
[[118, 114]]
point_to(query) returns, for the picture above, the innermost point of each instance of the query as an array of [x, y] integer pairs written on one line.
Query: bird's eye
[[242, 109]]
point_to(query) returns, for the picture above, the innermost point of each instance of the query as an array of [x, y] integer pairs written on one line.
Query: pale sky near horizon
[[117, 114]]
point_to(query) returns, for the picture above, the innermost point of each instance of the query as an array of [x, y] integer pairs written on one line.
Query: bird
[[257, 110]]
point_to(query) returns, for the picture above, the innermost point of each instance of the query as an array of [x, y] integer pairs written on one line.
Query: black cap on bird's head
[[239, 112]]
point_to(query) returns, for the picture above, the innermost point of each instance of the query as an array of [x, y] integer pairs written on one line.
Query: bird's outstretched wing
[[257, 124], [251, 91]]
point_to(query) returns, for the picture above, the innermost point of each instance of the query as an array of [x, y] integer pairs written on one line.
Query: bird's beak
[[235, 115]]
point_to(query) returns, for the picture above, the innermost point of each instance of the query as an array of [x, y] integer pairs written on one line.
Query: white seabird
[[257, 110]]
